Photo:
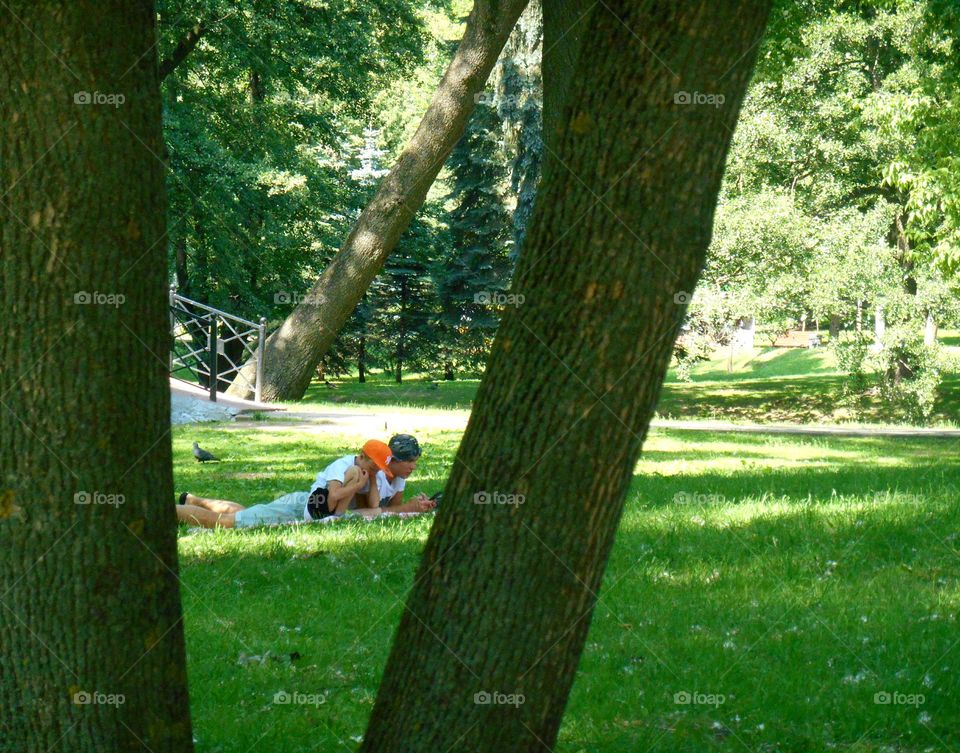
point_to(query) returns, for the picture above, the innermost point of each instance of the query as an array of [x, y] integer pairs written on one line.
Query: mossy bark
[[503, 598], [91, 641]]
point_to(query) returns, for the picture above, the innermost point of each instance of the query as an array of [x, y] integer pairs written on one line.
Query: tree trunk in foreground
[[91, 641], [293, 351], [494, 626]]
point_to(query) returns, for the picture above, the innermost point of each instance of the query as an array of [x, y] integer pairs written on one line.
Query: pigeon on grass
[[202, 456]]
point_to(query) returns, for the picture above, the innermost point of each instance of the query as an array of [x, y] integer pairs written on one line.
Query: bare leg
[[214, 505], [201, 516]]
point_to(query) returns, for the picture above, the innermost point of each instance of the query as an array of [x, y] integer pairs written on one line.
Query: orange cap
[[379, 453]]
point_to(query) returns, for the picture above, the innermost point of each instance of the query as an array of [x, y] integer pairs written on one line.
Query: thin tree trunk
[[402, 333], [92, 641], [292, 352], [509, 578], [180, 263], [362, 360]]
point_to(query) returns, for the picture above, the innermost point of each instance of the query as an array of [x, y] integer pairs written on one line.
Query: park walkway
[[376, 421]]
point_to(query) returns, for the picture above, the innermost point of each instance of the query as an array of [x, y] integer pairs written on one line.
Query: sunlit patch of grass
[[789, 580]]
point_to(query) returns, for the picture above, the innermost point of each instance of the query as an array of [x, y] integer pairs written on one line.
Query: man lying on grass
[[341, 486], [396, 461]]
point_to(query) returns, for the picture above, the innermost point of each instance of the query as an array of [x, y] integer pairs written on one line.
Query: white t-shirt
[[333, 472], [388, 487]]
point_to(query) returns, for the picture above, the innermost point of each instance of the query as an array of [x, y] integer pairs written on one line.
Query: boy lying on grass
[[343, 485]]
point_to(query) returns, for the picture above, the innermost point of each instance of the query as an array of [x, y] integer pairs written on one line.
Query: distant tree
[[518, 97], [294, 350], [477, 266]]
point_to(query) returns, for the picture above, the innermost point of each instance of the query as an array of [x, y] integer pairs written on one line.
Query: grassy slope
[[796, 577], [765, 385]]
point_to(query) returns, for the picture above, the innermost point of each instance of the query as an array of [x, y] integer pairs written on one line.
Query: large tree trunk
[[92, 654], [503, 596], [294, 350]]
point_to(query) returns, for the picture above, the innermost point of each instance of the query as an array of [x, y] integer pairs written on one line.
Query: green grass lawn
[[791, 578], [764, 385]]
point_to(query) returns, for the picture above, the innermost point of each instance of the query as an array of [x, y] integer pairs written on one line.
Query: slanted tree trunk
[[292, 352], [509, 578], [92, 652]]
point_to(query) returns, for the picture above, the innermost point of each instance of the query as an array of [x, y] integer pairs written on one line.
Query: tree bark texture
[[91, 639], [494, 626]]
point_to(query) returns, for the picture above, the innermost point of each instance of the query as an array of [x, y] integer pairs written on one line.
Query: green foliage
[[477, 267], [838, 192], [900, 369], [852, 351], [909, 374], [711, 317], [255, 120], [518, 97]]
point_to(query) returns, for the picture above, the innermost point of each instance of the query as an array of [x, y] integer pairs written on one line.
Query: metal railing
[[212, 345]]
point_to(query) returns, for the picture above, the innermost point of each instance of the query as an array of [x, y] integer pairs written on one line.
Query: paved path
[[385, 421], [190, 403]]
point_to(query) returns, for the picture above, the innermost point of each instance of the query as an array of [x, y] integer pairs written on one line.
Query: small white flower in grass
[[924, 718], [728, 644], [928, 681], [761, 726], [855, 679], [863, 618]]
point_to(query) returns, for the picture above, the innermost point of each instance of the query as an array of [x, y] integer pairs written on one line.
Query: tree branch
[[183, 48]]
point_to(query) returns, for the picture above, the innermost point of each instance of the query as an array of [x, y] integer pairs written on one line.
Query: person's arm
[[339, 495], [420, 503], [372, 497]]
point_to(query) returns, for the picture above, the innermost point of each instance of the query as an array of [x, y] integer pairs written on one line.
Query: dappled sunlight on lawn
[[793, 577]]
